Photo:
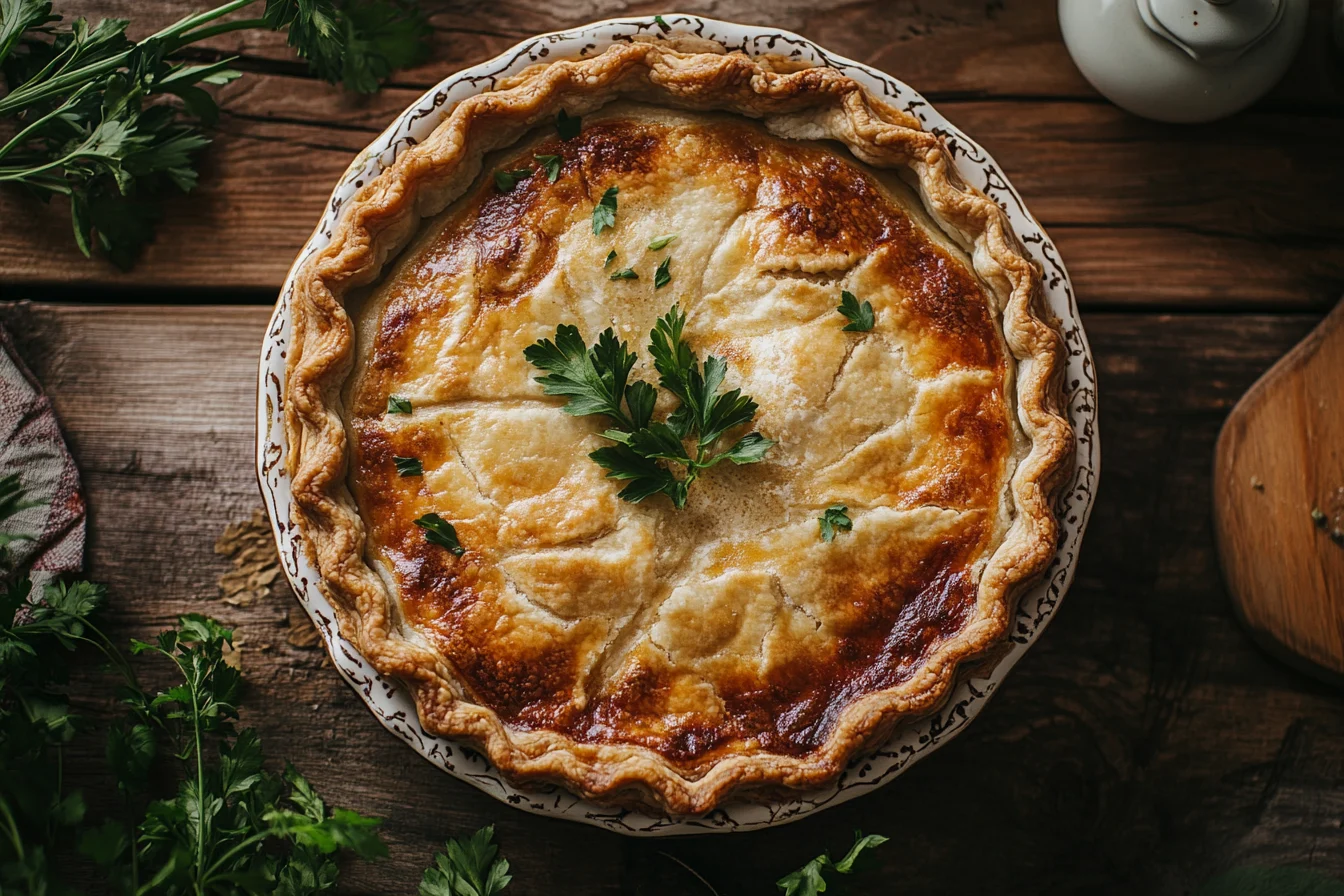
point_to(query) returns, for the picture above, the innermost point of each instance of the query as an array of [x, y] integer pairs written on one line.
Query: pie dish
[[636, 653]]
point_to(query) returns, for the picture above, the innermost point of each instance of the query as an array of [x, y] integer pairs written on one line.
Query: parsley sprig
[[468, 866], [596, 380], [88, 120], [808, 880]]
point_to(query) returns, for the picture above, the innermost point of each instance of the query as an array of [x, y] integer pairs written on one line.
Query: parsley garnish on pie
[[860, 316], [441, 532], [567, 125], [625, 274], [551, 165], [611, 256], [507, 180], [834, 519], [408, 466], [604, 213], [398, 405], [663, 275], [596, 380], [661, 242]]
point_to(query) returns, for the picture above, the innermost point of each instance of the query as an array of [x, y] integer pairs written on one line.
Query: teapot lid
[[1214, 31]]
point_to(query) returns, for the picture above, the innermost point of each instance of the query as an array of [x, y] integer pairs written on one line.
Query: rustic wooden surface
[[1278, 463], [1143, 745]]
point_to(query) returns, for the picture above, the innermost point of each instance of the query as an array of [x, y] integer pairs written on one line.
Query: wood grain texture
[[1279, 460], [1143, 744], [1145, 214]]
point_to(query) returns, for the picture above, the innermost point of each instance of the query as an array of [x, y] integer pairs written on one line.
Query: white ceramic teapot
[[1183, 60]]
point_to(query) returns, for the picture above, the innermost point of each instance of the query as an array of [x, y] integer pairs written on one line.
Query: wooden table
[[1144, 745]]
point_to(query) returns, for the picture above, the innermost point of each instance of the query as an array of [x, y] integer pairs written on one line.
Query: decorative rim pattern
[[393, 705]]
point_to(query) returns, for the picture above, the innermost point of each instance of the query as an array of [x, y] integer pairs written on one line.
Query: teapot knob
[[1212, 31]]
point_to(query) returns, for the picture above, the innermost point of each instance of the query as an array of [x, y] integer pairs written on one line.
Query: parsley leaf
[[467, 867], [604, 213], [663, 275], [398, 405], [567, 125], [85, 115], [611, 256], [860, 317], [593, 379], [624, 274], [505, 181], [551, 165], [835, 518], [408, 466], [441, 532], [661, 242], [596, 381], [808, 880]]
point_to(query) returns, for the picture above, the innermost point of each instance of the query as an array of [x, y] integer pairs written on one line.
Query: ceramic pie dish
[[642, 644]]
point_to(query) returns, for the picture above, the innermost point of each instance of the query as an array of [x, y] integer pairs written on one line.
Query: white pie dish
[[392, 704]]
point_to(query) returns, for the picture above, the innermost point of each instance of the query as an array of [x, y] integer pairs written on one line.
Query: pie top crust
[[634, 652]]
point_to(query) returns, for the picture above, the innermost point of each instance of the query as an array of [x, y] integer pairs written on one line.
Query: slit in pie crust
[[636, 653]]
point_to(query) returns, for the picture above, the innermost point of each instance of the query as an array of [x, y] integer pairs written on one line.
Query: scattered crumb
[[1318, 517], [302, 633], [1257, 484], [256, 565]]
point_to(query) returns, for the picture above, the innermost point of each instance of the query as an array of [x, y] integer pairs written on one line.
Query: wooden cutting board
[[1278, 504]]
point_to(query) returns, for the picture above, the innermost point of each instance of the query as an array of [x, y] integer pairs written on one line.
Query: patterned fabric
[[31, 445]]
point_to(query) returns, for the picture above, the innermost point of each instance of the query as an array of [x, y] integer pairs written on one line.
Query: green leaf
[[611, 256], [441, 532], [672, 356], [593, 381], [551, 165], [658, 441], [467, 867], [408, 466], [104, 845], [860, 317], [355, 44], [661, 242], [835, 518], [604, 213], [646, 477], [861, 843], [640, 398], [398, 405], [567, 125], [807, 880], [749, 449], [663, 275], [625, 274], [505, 181]]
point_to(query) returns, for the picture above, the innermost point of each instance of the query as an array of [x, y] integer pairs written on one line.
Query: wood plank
[[1143, 745], [1223, 215], [967, 48]]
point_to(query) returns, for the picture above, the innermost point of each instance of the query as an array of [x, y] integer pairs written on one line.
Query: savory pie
[[796, 608]]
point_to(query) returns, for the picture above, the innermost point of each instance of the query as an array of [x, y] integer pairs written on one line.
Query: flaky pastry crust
[[383, 217]]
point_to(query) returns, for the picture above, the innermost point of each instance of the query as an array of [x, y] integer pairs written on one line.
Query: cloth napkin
[[32, 446]]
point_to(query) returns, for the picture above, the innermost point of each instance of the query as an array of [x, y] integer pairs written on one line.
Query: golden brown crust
[[381, 219]]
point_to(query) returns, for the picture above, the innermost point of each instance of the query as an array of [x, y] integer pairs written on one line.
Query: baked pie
[[578, 587]]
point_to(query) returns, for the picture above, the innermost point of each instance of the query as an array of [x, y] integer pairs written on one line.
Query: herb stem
[[12, 828], [33, 126], [200, 776], [222, 28]]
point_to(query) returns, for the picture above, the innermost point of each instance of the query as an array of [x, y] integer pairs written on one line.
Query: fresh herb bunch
[[596, 380], [232, 827], [469, 867], [87, 107]]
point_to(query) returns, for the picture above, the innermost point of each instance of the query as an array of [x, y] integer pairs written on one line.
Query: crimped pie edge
[[381, 218]]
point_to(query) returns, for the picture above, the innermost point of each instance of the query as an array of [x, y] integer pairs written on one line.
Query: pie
[[640, 653]]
